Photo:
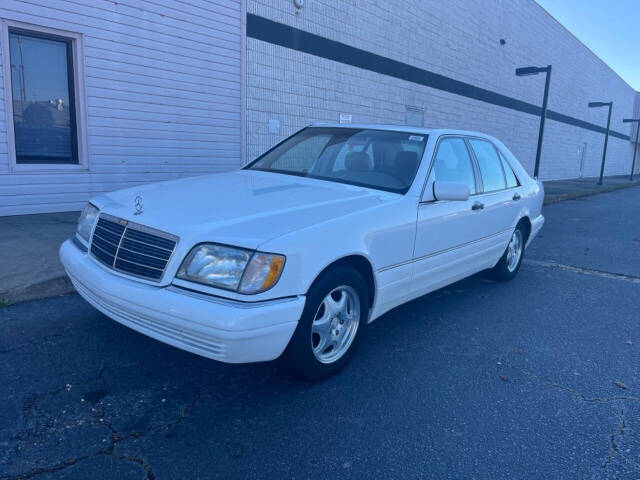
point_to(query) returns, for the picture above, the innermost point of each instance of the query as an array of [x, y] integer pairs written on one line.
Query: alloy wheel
[[514, 250], [335, 324]]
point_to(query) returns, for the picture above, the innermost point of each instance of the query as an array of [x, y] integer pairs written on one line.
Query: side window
[[512, 181], [490, 166], [453, 163]]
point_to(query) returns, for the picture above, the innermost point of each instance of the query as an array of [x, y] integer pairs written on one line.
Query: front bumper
[[220, 329]]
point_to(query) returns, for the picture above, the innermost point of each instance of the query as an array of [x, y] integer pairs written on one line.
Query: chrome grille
[[132, 248]]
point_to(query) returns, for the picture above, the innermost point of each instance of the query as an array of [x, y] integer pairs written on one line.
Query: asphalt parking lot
[[536, 378]]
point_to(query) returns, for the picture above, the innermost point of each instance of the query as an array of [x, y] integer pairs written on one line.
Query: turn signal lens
[[262, 273]]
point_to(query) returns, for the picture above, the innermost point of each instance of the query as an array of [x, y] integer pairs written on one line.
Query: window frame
[[474, 164], [476, 178], [78, 94], [503, 159], [402, 192], [504, 176]]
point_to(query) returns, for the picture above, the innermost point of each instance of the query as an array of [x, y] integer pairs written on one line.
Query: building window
[[43, 98]]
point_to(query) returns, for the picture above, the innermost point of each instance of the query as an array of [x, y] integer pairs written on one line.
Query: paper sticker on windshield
[[416, 138]]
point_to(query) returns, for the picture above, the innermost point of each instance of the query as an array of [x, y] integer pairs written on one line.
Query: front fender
[[383, 235]]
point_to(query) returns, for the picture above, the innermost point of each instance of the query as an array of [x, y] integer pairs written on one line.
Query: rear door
[[499, 197]]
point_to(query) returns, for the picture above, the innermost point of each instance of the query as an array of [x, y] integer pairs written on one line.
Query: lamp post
[[525, 71], [606, 138], [635, 146]]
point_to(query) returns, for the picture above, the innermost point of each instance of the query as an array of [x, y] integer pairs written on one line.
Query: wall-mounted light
[[298, 3]]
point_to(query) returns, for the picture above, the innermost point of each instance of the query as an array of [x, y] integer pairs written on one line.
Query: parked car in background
[[294, 254]]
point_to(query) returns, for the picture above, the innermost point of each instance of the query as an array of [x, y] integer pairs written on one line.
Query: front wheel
[[509, 264], [331, 325]]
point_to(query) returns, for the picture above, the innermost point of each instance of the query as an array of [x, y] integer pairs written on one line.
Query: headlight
[[86, 221], [231, 268]]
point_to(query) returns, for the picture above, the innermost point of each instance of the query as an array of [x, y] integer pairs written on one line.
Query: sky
[[610, 28]]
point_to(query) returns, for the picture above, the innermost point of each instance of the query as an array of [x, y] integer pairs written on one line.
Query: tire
[[322, 320], [508, 266]]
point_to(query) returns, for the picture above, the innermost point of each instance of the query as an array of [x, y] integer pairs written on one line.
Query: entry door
[[450, 235]]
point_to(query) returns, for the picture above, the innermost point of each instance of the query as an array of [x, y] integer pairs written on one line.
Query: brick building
[[96, 96]]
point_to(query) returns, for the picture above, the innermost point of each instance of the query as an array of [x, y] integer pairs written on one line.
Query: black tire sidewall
[[501, 270], [299, 355]]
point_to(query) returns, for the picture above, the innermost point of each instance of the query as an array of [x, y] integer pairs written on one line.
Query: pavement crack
[[584, 271], [116, 438], [620, 430], [31, 399], [576, 393], [54, 468], [140, 461], [164, 427], [617, 433]]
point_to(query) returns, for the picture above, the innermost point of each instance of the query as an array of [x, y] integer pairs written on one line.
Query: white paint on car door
[[500, 202], [452, 237]]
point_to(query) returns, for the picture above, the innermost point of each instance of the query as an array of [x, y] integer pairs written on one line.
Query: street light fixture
[[526, 71], [635, 146], [606, 138]]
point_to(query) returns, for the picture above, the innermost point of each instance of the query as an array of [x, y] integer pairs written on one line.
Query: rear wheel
[[509, 264], [331, 325]]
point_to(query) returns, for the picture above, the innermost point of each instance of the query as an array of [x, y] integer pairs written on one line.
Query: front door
[[451, 236]]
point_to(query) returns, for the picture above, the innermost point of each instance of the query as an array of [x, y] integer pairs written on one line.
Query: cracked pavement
[[479, 380]]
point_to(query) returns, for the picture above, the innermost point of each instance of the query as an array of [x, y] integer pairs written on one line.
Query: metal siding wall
[[163, 86], [455, 38], [4, 158]]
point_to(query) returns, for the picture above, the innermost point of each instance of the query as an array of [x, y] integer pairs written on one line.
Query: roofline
[[404, 128], [375, 126]]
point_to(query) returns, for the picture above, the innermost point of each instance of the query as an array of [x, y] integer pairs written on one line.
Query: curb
[[49, 288], [549, 199]]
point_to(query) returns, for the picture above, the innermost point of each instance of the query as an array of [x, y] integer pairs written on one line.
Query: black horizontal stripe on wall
[[285, 36]]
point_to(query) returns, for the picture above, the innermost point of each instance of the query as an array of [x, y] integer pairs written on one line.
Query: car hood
[[242, 208]]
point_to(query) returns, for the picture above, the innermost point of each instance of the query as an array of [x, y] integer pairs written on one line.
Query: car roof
[[405, 128]]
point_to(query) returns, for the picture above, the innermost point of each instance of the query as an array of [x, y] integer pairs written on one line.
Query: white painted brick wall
[[456, 38]]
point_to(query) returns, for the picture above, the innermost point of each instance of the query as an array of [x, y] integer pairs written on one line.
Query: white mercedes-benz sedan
[[294, 254]]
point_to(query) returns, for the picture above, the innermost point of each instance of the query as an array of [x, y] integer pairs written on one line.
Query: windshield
[[371, 158]]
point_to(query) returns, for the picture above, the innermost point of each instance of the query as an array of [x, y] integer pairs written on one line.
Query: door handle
[[477, 206], [516, 196]]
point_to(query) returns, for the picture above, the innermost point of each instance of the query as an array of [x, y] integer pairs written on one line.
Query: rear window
[[512, 180], [380, 159], [490, 165]]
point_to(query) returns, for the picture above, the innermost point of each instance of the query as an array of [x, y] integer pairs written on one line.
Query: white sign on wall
[[274, 126], [345, 118]]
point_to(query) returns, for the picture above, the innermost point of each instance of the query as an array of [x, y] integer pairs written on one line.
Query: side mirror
[[450, 191]]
